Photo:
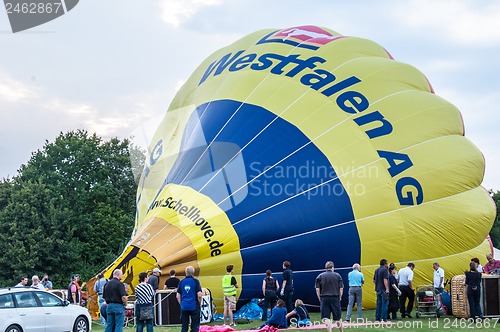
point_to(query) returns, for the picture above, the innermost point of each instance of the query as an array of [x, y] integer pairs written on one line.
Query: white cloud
[[174, 12], [462, 21], [14, 91], [104, 120]]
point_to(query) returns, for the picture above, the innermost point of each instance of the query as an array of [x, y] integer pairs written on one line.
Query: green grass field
[[448, 324]]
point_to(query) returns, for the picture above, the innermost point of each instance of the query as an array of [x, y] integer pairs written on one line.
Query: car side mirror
[[65, 303]]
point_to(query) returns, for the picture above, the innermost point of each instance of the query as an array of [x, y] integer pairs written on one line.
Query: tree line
[[70, 209]]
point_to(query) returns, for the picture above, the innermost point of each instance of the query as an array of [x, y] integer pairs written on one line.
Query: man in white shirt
[[438, 278], [35, 283], [407, 290], [23, 283]]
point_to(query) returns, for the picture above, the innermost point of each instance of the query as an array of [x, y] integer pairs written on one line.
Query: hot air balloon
[[305, 145]]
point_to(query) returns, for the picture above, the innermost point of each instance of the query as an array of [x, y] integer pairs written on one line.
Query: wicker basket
[[458, 294]]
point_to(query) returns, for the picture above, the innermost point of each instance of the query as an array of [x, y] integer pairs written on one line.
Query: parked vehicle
[[32, 310]]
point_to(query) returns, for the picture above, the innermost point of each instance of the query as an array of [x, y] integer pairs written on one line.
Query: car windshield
[[49, 300]]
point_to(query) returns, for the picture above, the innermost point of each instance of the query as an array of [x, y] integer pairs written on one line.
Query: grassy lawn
[[448, 323]]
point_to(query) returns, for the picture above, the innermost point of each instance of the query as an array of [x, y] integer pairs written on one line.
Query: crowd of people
[[44, 284], [394, 290]]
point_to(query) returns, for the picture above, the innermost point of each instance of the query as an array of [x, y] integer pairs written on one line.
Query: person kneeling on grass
[[278, 316], [300, 311]]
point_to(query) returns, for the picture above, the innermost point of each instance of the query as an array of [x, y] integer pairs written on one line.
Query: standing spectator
[[438, 278], [329, 288], [407, 290], [154, 278], [98, 288], [189, 297], [394, 292], [491, 265], [300, 311], [74, 290], [356, 281], [287, 286], [116, 297], [270, 290], [144, 293], [394, 265], [23, 282], [229, 286], [172, 282], [381, 280], [473, 282], [47, 284], [35, 283], [478, 265]]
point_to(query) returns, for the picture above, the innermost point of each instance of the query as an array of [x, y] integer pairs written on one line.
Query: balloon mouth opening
[[158, 238]]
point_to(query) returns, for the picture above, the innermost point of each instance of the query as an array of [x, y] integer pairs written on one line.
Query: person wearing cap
[[74, 293], [154, 278]]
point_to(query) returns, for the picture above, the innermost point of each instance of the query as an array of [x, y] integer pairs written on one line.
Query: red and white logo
[[306, 36]]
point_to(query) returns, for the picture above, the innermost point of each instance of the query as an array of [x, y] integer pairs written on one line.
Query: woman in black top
[[270, 291], [473, 282], [394, 292]]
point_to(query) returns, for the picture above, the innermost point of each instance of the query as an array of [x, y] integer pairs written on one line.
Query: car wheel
[[81, 325], [14, 328]]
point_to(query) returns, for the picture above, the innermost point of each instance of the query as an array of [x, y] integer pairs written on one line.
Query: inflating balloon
[[305, 145]]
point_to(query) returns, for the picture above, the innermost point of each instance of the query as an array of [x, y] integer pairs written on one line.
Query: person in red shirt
[[491, 265], [74, 290]]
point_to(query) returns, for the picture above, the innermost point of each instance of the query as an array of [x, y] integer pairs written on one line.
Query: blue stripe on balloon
[[286, 231]]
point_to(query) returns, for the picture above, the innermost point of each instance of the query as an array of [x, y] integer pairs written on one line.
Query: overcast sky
[[109, 66]]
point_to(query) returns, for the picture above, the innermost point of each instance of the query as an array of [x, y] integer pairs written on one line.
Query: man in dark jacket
[[116, 297]]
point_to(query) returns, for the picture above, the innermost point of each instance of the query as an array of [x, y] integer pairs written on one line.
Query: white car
[[33, 310]]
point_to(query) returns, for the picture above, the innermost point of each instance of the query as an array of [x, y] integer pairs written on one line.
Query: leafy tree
[[5, 189], [495, 230], [69, 210]]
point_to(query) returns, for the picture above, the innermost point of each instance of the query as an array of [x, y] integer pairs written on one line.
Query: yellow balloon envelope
[[304, 145]]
